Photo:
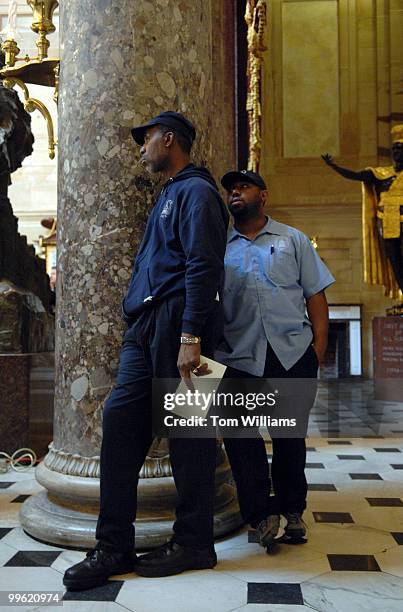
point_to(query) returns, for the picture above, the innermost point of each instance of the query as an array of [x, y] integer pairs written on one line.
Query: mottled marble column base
[[66, 513]]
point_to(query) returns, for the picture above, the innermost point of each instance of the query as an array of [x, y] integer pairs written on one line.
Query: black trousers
[[248, 459], [150, 350]]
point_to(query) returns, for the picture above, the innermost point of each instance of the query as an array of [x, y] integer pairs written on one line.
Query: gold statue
[[382, 219]]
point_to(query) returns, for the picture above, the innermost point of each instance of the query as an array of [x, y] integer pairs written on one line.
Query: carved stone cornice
[[73, 464]]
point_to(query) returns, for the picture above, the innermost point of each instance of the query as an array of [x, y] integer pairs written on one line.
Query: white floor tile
[[13, 476], [332, 538], [6, 552], [354, 592], [235, 540], [18, 539], [385, 519], [289, 563], [71, 606], [30, 579], [67, 559], [272, 608], [391, 561], [200, 591]]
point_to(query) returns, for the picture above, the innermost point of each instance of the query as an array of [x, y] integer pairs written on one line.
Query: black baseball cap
[[170, 119], [247, 176]]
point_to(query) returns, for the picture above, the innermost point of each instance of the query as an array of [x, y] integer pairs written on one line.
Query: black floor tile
[[353, 563], [338, 442], [318, 466], [387, 450], [106, 592], [332, 517], [274, 593], [351, 457], [398, 535], [33, 558], [4, 531], [365, 477], [397, 466], [384, 502], [313, 486], [19, 499], [5, 485]]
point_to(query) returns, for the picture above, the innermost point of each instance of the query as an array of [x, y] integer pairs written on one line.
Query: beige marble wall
[[304, 192], [310, 77]]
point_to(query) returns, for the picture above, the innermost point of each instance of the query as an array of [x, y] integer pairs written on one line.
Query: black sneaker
[[96, 568], [172, 558], [269, 530], [295, 527]]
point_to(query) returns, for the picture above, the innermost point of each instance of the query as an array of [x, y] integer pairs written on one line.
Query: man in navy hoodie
[[173, 314]]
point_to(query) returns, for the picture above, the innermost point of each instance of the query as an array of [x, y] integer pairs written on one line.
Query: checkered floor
[[352, 561]]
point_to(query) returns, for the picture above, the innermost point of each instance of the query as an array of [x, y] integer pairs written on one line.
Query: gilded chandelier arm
[[31, 104]]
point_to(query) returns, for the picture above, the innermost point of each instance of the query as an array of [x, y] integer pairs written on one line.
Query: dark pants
[[248, 459], [150, 350]]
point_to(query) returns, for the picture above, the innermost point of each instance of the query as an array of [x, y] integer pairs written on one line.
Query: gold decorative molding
[[255, 17]]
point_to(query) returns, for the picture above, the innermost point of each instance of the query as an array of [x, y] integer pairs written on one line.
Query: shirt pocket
[[281, 265], [234, 277]]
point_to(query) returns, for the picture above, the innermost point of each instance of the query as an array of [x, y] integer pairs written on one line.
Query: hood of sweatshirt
[[190, 171]]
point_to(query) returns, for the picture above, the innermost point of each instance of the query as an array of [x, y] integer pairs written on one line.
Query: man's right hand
[[328, 159]]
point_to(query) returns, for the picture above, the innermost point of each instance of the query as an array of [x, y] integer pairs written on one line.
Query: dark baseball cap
[[170, 119], [246, 176]]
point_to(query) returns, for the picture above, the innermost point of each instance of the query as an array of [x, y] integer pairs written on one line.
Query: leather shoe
[[172, 558], [96, 568]]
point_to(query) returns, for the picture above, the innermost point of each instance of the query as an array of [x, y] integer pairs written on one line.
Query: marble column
[[121, 63]]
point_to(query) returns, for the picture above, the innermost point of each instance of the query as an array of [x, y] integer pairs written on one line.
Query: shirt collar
[[270, 227]]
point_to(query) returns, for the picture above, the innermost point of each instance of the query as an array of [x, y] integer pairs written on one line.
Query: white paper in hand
[[205, 386]]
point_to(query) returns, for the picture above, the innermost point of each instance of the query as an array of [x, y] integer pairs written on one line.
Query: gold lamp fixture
[[40, 70], [314, 242]]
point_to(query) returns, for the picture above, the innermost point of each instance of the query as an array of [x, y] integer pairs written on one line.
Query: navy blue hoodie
[[182, 249]]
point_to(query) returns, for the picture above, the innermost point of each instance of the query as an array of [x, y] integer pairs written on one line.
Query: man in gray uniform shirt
[[276, 326]]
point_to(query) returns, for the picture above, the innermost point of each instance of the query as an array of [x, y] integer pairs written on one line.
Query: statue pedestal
[[14, 394], [388, 358], [66, 513]]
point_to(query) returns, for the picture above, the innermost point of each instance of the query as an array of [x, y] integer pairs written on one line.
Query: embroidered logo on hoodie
[[166, 209]]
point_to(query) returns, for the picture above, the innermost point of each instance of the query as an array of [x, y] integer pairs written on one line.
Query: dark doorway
[[336, 363]]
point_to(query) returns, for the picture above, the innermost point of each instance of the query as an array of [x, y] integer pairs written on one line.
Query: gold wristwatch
[[190, 340]]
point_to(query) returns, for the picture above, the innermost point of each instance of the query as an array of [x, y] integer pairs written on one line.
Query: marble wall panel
[[310, 78]]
